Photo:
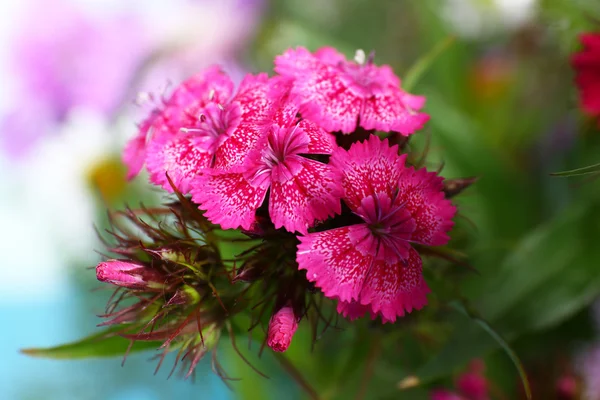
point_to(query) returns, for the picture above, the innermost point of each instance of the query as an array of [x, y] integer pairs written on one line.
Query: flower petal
[[298, 61], [325, 98], [228, 198], [393, 287], [235, 149], [352, 309], [390, 113], [257, 97], [181, 156], [319, 141], [327, 101], [210, 85], [311, 194], [421, 193], [368, 168], [134, 155], [337, 260]]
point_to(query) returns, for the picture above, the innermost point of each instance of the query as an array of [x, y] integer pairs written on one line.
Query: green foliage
[[102, 344]]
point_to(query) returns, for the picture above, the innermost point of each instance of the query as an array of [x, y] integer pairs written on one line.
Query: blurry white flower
[[476, 18]]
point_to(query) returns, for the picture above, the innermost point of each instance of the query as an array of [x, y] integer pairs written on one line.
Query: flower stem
[[374, 352], [296, 375]]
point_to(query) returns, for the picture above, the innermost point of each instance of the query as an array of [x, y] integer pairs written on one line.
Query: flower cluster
[[310, 165]]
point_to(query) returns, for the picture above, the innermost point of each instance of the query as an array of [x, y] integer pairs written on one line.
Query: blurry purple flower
[[65, 58], [18, 129], [589, 369]]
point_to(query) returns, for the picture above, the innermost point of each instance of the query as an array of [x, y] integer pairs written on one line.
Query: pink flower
[[371, 266], [189, 117], [185, 135], [336, 93], [443, 394], [587, 67], [282, 326], [129, 275], [472, 384], [254, 161]]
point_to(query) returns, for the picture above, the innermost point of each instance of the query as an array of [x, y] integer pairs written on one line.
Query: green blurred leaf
[[505, 346], [549, 276], [424, 63], [590, 169], [103, 344]]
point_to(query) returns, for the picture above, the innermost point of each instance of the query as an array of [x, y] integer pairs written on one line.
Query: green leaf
[[590, 169], [103, 344], [550, 275], [505, 346], [424, 63]]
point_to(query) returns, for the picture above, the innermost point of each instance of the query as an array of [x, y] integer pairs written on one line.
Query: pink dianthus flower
[[171, 119], [371, 266], [338, 94], [302, 190], [182, 137]]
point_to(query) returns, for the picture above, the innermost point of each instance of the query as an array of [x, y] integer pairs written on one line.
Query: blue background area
[[61, 319]]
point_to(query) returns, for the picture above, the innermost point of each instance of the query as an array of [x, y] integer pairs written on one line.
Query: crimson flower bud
[[129, 275], [282, 327]]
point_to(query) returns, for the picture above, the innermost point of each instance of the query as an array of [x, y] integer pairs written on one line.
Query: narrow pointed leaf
[[590, 169], [103, 344], [500, 340]]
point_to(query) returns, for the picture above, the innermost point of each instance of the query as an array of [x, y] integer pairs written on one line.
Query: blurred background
[[76, 77]]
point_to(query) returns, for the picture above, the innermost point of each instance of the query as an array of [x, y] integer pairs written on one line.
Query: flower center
[[388, 220], [281, 144], [215, 124]]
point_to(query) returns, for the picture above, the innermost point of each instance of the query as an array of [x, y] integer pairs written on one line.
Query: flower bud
[[452, 187], [129, 275], [249, 271], [282, 327], [186, 295]]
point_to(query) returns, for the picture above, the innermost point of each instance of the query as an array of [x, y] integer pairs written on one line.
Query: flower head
[[339, 94], [282, 327], [193, 116], [587, 70], [371, 266], [302, 190]]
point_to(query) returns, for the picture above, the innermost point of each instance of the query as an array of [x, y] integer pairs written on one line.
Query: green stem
[[297, 376]]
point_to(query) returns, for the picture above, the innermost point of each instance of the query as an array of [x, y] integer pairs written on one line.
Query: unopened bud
[[282, 327], [248, 272], [185, 295], [452, 187], [129, 275]]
